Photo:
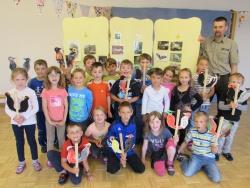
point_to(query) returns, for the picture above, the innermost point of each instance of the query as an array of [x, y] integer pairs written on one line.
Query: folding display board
[[86, 35], [129, 37], [176, 42]]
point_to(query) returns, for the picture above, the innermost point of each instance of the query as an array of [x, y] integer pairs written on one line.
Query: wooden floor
[[235, 174]]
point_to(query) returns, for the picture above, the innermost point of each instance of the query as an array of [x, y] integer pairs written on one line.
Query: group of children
[[108, 113]]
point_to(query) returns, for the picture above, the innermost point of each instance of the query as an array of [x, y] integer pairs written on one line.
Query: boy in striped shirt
[[203, 150]]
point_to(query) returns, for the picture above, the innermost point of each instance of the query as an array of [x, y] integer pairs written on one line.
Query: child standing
[[88, 60], [55, 106], [168, 77], [203, 150], [97, 131], [231, 122], [112, 74], [155, 97], [64, 162], [22, 106], [123, 128], [182, 96], [141, 75], [118, 90], [100, 89], [202, 65], [36, 84], [80, 100], [158, 142]]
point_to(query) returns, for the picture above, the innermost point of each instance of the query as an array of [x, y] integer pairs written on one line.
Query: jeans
[[197, 162], [42, 138], [225, 143], [55, 158], [30, 135]]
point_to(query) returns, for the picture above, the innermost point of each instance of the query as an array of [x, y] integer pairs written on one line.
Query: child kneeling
[[159, 142], [123, 129], [203, 150], [65, 163]]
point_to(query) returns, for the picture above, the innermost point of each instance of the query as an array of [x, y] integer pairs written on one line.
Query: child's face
[[125, 113], [125, 70], [40, 71], [184, 78], [201, 123], [20, 81], [155, 124], [74, 133], [99, 116], [88, 64], [168, 76], [202, 66], [54, 78], [111, 69], [235, 80], [97, 73], [156, 80], [78, 79], [144, 63]]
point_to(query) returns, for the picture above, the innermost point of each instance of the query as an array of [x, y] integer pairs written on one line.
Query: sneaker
[[217, 157], [44, 149], [20, 168], [180, 157], [228, 156], [62, 178], [37, 166], [48, 163], [170, 168]]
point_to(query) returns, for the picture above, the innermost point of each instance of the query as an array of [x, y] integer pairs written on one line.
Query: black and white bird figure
[[26, 64], [12, 63], [209, 83]]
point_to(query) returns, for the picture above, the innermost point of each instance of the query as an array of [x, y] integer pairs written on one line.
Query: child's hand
[[61, 123], [233, 105], [214, 148], [19, 119], [204, 96], [176, 139], [99, 143], [110, 114], [75, 170], [121, 100]]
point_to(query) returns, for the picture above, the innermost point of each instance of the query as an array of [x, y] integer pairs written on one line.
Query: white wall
[[243, 39], [25, 33]]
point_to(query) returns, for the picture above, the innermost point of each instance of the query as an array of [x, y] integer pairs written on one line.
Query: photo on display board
[[163, 45], [138, 47], [89, 49], [117, 49], [102, 59], [74, 49], [176, 46], [161, 57], [117, 36], [175, 57]]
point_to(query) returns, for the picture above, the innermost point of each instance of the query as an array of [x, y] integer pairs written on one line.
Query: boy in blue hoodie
[[127, 129]]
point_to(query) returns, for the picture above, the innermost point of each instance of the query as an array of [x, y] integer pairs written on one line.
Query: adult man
[[222, 53]]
